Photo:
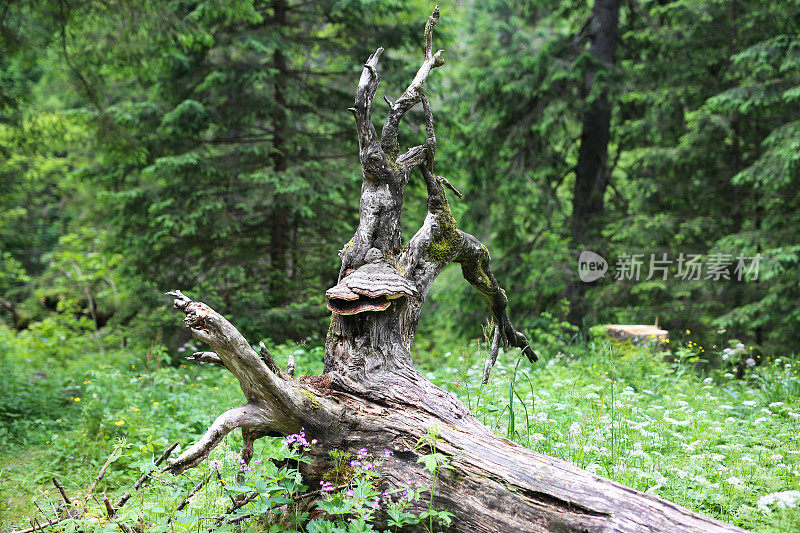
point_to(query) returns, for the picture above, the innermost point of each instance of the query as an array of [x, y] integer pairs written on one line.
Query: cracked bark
[[370, 396]]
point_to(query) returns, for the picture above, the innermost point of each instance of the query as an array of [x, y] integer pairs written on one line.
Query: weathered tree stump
[[638, 334], [371, 396]]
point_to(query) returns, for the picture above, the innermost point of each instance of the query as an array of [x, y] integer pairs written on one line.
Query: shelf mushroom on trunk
[[371, 287], [371, 396]]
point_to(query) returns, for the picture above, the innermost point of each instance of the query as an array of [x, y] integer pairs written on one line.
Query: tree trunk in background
[[279, 223], [591, 173], [372, 397]]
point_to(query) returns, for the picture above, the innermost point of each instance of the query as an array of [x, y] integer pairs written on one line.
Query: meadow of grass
[[651, 420]]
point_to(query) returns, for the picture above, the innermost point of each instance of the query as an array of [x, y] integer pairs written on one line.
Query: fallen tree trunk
[[370, 396]]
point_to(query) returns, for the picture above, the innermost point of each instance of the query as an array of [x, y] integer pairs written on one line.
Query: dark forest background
[[206, 146]]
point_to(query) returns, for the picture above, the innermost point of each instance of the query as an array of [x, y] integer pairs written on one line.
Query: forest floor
[[726, 447]]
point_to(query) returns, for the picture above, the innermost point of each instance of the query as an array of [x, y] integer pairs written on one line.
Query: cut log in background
[[371, 396], [638, 334]]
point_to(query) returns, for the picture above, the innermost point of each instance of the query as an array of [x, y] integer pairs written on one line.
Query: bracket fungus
[[371, 287]]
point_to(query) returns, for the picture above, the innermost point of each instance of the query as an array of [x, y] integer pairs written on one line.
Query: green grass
[[704, 440], [713, 444]]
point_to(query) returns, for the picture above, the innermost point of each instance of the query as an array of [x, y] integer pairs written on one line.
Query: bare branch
[[39, 527], [413, 158], [233, 507], [430, 135], [413, 94], [290, 365], [257, 381], [495, 349], [60, 488], [206, 357], [248, 440], [474, 260], [185, 501], [248, 415], [270, 362], [111, 458], [109, 508], [365, 94], [450, 186]]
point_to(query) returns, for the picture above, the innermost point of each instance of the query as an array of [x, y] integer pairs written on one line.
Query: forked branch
[[365, 94], [274, 403], [413, 94]]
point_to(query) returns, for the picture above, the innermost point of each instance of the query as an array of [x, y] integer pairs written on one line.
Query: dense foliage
[[205, 145], [150, 145]]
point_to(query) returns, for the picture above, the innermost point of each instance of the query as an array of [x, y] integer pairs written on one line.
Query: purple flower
[[349, 493], [750, 362], [387, 453], [313, 441], [327, 486], [214, 465], [363, 453], [355, 463], [257, 460], [368, 466], [299, 438]]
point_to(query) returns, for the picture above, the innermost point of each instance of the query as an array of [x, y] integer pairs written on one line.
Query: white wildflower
[[575, 429], [782, 500], [735, 481], [749, 403], [676, 422]]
